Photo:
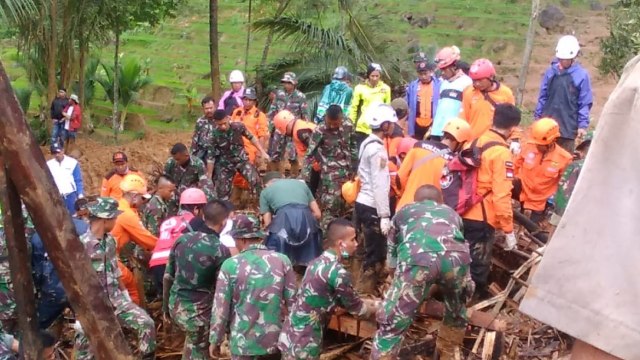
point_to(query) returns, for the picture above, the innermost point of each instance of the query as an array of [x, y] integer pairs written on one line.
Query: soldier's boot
[[449, 342], [367, 282], [294, 170]]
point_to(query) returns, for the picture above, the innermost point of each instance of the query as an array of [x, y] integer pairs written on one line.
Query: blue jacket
[[412, 101], [566, 97], [45, 277]]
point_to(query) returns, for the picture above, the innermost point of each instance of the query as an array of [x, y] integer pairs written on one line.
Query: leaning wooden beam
[[20, 267], [27, 168]]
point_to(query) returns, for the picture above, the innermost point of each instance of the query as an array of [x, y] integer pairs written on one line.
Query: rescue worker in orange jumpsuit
[[494, 212], [129, 227], [424, 162], [479, 100], [256, 122], [539, 168], [111, 182], [299, 130]]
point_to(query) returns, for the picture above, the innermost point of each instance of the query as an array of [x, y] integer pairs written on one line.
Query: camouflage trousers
[[330, 199], [279, 145], [223, 178], [193, 319], [132, 317], [257, 357], [410, 287], [480, 237]]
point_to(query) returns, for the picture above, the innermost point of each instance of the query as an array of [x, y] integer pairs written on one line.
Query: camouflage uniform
[[427, 243], [193, 265], [296, 102], [326, 284], [336, 152], [193, 175], [251, 291], [102, 253], [226, 151], [201, 138], [154, 213]]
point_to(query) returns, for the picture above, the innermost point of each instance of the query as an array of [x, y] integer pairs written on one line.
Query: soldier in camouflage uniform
[[333, 146], [204, 127], [325, 286], [187, 171], [427, 245], [160, 206], [257, 284], [189, 280], [226, 155], [292, 99], [101, 249]]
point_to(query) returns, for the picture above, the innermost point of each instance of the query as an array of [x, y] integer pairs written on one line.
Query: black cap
[[250, 93]]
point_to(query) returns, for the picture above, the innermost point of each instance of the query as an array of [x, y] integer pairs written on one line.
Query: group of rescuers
[[431, 180]]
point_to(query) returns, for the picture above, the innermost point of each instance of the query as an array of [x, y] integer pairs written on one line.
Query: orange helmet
[[459, 129], [133, 183], [545, 131], [447, 56], [282, 119], [405, 145], [350, 190]]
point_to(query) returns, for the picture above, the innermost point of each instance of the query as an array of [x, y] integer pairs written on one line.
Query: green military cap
[[289, 77], [247, 226], [104, 208]]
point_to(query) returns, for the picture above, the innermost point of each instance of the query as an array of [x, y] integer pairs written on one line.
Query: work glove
[[510, 242], [385, 226], [515, 147]]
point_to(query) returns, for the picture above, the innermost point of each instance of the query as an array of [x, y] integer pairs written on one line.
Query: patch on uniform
[[383, 162], [509, 167]]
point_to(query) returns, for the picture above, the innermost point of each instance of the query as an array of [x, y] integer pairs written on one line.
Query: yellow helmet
[[545, 131], [133, 183]]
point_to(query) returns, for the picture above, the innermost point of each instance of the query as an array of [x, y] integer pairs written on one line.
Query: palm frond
[[16, 10]]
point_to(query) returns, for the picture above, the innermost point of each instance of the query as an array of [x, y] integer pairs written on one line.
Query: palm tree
[[131, 80]]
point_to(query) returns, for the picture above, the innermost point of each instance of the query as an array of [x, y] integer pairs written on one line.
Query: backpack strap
[[489, 99]]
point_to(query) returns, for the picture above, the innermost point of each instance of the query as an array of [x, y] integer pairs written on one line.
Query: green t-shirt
[[284, 192]]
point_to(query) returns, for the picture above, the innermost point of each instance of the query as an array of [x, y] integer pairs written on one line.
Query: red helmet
[[447, 56], [405, 145], [482, 69], [193, 196]]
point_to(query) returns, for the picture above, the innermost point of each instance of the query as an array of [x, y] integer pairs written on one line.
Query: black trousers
[[480, 237], [367, 223]]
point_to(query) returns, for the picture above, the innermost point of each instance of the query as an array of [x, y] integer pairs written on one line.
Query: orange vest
[[478, 107], [424, 173], [111, 184], [540, 175], [301, 147]]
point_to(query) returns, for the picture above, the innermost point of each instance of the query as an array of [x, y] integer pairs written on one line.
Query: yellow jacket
[[363, 96]]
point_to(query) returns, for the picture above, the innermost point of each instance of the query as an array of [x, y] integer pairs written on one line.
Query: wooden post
[[528, 49], [20, 267], [27, 169]]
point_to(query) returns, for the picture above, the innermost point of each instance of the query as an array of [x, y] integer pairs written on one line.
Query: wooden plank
[[27, 169], [350, 325], [488, 345]]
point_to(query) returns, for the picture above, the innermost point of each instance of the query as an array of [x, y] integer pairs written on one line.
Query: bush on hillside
[[623, 42]]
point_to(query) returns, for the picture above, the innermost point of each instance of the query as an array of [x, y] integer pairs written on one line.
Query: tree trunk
[[83, 49], [528, 49], [20, 269], [214, 54], [52, 86], [116, 80], [27, 169], [66, 48], [246, 49]]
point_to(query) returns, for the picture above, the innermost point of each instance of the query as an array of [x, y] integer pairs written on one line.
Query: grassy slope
[[177, 51]]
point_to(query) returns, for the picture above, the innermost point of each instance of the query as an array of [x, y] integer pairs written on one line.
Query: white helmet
[[568, 47], [236, 76], [379, 114]]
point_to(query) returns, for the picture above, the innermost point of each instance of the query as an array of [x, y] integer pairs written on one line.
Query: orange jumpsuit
[[129, 227], [540, 174], [415, 172], [495, 177], [391, 145], [111, 183], [477, 107], [256, 122]]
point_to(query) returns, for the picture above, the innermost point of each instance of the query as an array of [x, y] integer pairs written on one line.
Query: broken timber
[[27, 169]]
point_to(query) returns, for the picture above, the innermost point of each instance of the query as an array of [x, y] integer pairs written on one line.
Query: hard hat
[[544, 131], [447, 56], [350, 190], [482, 69], [74, 97], [193, 196], [459, 129], [250, 93], [568, 47], [379, 114], [236, 77], [282, 119], [340, 73], [405, 145], [133, 183]]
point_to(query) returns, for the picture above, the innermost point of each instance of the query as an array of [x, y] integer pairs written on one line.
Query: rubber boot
[[449, 341], [367, 283]]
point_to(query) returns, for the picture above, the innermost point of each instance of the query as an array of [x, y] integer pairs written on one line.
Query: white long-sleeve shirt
[[373, 172], [67, 175]]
